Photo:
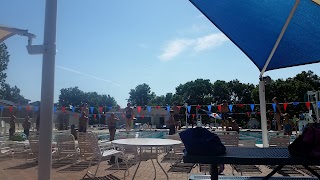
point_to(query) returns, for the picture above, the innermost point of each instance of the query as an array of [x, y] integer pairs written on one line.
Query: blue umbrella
[[273, 34]]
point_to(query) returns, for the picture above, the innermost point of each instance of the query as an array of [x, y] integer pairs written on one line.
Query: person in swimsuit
[[26, 126], [83, 121], [224, 111], [129, 116], [12, 129], [287, 125], [278, 113], [112, 120], [172, 123]]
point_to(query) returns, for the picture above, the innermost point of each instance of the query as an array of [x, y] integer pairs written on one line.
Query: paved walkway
[[17, 169]]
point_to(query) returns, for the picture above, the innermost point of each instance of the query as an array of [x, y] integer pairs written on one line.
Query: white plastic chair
[[279, 141], [66, 147]]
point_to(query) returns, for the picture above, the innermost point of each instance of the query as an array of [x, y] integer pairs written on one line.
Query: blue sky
[[111, 46]]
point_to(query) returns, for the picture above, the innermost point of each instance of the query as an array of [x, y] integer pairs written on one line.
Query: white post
[[263, 113], [47, 90]]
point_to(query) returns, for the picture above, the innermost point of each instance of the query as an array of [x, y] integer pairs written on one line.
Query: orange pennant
[[308, 105], [139, 109], [219, 108]]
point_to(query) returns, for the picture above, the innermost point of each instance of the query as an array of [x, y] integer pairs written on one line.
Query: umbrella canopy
[[254, 26], [6, 32]]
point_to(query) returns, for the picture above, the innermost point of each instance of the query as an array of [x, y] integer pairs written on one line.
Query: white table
[[147, 142]]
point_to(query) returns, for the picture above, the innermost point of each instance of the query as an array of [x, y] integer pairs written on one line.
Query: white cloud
[[177, 46]]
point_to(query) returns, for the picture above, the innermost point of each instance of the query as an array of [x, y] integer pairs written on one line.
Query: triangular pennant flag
[[198, 107], [100, 109], [274, 106], [110, 107], [252, 107], [318, 104], [19, 108], [63, 109], [189, 109], [219, 108], [270, 113], [168, 108], [193, 115], [240, 105], [73, 109], [209, 108], [149, 109], [36, 108], [91, 110], [248, 113], [10, 108], [142, 116], [1, 108], [95, 116], [295, 103], [258, 112], [179, 107], [230, 107], [54, 109], [139, 109], [285, 106], [28, 108], [138, 115], [308, 105], [209, 114], [158, 107], [99, 115], [188, 115]]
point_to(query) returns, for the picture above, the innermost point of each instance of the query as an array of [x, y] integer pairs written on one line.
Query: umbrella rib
[[284, 28]]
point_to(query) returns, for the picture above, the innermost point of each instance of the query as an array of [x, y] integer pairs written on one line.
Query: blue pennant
[[91, 109], [318, 104], [73, 109], [19, 108], [99, 115], [36, 108], [149, 108], [110, 107], [54, 109], [168, 108], [188, 115], [209, 108], [295, 103], [189, 108], [1, 107], [274, 106], [230, 107], [252, 107]]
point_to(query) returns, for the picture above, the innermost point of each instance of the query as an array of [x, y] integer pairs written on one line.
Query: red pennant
[[248, 113], [198, 107], [100, 109], [63, 109], [240, 105], [285, 106], [142, 116], [10, 108], [139, 109], [219, 108], [28, 108], [270, 113], [258, 112], [193, 115], [158, 107], [308, 105], [179, 107], [95, 116]]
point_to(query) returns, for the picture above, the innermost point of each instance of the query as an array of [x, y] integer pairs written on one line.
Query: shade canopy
[[6, 32], [254, 26]]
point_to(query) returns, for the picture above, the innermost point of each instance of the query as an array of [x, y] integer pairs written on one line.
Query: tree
[[239, 92], [221, 91], [199, 91], [141, 95], [4, 60]]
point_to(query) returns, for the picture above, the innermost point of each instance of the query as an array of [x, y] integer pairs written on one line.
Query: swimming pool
[[257, 135], [134, 134]]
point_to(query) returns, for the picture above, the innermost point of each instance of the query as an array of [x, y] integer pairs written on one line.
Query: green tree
[[141, 95], [199, 91], [239, 92], [221, 91], [4, 60]]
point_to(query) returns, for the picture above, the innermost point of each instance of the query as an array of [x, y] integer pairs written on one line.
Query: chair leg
[[97, 167]]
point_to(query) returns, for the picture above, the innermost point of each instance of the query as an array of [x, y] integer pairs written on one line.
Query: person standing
[[12, 129], [26, 126], [172, 123], [83, 122], [224, 111], [129, 116], [176, 115], [278, 113], [112, 121]]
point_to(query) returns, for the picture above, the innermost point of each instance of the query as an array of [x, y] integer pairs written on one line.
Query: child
[[287, 125]]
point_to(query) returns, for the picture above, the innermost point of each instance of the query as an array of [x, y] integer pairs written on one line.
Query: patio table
[[253, 156], [147, 142]]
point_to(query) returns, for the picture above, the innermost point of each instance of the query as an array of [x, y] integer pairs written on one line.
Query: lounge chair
[[279, 141], [65, 147], [90, 150], [5, 150]]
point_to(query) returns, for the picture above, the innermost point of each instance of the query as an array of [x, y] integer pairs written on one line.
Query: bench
[[205, 177]]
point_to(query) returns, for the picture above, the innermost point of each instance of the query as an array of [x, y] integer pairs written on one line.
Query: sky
[[111, 46]]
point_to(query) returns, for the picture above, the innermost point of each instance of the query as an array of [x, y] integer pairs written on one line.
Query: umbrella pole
[[262, 98]]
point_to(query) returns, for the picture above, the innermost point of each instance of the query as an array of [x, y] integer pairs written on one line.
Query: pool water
[[138, 134], [247, 135]]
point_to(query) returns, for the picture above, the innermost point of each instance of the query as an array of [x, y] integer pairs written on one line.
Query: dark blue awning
[[254, 26]]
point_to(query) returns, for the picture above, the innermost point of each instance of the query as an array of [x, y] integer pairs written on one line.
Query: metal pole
[[186, 106], [262, 98], [47, 90]]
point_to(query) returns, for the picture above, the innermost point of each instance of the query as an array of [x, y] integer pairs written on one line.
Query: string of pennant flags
[[168, 108]]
